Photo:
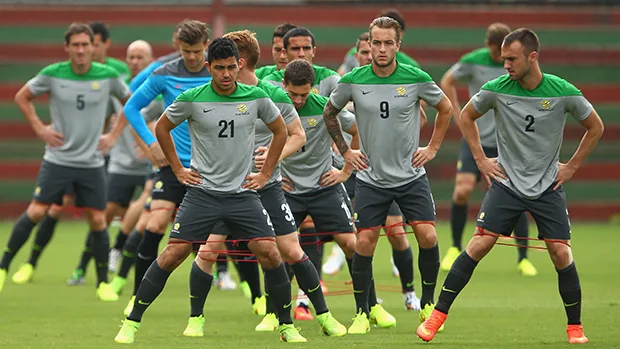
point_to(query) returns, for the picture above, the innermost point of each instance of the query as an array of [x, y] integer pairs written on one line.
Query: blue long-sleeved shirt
[[139, 79], [169, 80]]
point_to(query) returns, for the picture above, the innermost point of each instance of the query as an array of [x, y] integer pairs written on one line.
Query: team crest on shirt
[[243, 109], [401, 91], [315, 90], [312, 122], [545, 105], [95, 86]]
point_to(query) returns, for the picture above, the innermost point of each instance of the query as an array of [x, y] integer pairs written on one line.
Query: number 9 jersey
[[387, 113]]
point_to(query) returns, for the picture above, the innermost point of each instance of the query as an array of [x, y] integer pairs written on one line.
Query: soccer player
[[311, 182], [530, 112], [272, 198], [387, 102], [402, 256], [100, 50], [127, 171], [169, 80], [352, 61], [79, 91], [299, 43], [220, 183], [278, 53], [476, 68]]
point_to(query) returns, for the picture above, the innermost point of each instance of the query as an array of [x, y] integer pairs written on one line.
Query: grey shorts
[[200, 210], [122, 188], [272, 198], [372, 204], [350, 190], [466, 161], [167, 186], [87, 184], [327, 207], [502, 207]]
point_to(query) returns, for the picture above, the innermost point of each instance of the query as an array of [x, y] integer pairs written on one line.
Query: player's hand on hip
[[51, 137], [158, 155], [261, 157], [333, 177], [491, 170], [187, 176], [106, 142], [565, 173], [255, 181], [287, 184], [356, 158], [422, 156]]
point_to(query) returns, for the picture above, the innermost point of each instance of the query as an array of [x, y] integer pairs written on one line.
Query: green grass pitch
[[498, 309]]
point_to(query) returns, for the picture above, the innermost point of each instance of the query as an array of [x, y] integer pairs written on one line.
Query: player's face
[[80, 49], [300, 47], [279, 53], [516, 62], [383, 46], [99, 48], [224, 73], [298, 94], [137, 59], [363, 55], [193, 55]]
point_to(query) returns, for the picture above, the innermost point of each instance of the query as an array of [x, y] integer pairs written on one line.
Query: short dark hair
[[193, 32], [281, 30], [395, 15], [101, 29], [222, 48], [298, 73], [78, 28], [496, 32], [299, 31], [363, 37], [526, 37]]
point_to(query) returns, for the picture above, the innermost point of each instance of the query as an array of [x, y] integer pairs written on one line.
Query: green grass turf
[[21, 72], [498, 309], [469, 37]]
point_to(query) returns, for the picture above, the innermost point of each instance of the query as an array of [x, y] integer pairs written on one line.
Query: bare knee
[[480, 245], [366, 242], [174, 254], [158, 221], [290, 250], [36, 211], [266, 252], [463, 187], [205, 263], [96, 220], [398, 239], [560, 253], [426, 235]]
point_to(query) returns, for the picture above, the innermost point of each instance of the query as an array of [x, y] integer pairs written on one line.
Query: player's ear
[[241, 63], [208, 66], [108, 43]]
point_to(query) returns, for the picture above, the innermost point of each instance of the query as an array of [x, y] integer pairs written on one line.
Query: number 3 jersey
[[222, 131], [78, 109], [529, 126], [387, 113]]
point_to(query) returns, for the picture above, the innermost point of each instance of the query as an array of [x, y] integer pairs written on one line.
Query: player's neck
[[223, 92], [532, 80], [80, 69], [247, 77], [199, 67], [386, 71]]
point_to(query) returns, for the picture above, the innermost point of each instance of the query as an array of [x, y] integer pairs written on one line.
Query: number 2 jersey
[[387, 113], [78, 109], [529, 126]]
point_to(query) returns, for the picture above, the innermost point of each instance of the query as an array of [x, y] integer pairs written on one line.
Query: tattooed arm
[[330, 116]]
